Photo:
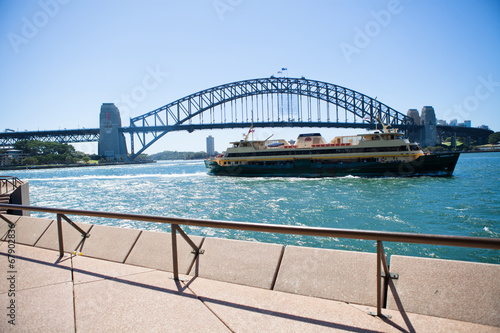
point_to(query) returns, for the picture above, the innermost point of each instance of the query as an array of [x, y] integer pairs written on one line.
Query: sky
[[61, 59]]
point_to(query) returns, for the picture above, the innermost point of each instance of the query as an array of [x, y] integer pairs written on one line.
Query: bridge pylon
[[112, 145]]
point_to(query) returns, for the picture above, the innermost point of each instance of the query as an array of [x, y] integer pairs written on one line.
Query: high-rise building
[[210, 145]]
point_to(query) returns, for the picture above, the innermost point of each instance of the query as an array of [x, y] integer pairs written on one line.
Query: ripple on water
[[467, 204]]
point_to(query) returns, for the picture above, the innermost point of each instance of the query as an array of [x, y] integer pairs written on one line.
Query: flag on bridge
[[284, 69]]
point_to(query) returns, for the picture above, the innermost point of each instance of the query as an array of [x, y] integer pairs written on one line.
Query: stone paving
[[41, 292]]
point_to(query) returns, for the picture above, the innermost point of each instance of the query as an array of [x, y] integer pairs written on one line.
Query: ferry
[[384, 153]]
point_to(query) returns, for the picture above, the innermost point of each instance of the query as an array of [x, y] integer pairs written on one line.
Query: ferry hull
[[441, 165]]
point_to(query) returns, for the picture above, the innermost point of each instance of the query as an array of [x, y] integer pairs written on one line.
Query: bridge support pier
[[427, 136], [112, 145], [454, 141]]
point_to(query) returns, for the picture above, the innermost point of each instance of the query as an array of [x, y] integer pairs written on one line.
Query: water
[[467, 204]]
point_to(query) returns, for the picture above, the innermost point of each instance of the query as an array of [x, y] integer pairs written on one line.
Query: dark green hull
[[441, 165]]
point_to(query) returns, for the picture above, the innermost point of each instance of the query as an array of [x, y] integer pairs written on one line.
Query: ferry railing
[[5, 181], [383, 273]]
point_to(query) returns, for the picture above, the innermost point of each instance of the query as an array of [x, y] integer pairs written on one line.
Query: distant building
[[442, 122], [453, 122], [468, 123], [12, 155], [210, 145], [484, 127]]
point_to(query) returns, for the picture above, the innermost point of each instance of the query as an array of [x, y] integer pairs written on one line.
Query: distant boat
[[383, 153]]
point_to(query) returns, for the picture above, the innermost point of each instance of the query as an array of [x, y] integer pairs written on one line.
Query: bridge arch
[[283, 102]]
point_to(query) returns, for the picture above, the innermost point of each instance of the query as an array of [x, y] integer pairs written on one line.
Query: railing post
[[60, 236], [379, 278], [174, 251]]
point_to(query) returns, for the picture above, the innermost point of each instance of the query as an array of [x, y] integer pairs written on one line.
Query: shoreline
[[63, 166]]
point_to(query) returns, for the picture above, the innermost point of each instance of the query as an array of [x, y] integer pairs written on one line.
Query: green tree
[[494, 138], [30, 160], [68, 159], [32, 147]]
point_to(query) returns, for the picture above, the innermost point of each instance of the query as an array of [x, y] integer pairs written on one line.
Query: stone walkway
[[82, 294]]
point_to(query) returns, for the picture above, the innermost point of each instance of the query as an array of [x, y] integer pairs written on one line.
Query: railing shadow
[[184, 291], [401, 310]]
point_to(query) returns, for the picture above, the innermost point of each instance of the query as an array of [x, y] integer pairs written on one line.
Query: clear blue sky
[[61, 59]]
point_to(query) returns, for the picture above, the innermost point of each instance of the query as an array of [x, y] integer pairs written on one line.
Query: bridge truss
[[8, 139], [265, 102]]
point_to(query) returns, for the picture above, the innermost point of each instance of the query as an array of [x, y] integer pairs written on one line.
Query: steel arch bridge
[[265, 102]]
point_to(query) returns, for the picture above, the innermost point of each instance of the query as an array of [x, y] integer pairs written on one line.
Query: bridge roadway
[[59, 136], [123, 283], [7, 139]]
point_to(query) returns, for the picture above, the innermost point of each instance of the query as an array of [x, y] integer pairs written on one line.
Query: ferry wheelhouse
[[383, 153]]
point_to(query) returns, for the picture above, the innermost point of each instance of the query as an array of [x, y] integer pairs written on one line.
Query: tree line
[[40, 152], [179, 155]]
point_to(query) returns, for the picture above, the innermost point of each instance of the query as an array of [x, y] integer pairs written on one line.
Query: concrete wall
[[346, 276], [465, 291], [21, 196]]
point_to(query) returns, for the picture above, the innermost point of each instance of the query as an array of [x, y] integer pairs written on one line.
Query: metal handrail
[[5, 180], [378, 236], [400, 237]]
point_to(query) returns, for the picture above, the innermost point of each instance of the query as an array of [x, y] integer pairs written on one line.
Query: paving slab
[[412, 322], [4, 226], [149, 301], [29, 229], [44, 309], [458, 290], [346, 276], [33, 267], [71, 237], [86, 269], [110, 243], [250, 309], [249, 263], [80, 293], [154, 250]]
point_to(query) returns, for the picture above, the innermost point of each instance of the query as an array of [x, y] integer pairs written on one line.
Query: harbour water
[[466, 204]]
